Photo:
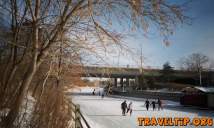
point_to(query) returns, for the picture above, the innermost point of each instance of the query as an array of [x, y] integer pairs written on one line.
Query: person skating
[[159, 104], [93, 93], [129, 109], [147, 104], [153, 105], [102, 95], [124, 107]]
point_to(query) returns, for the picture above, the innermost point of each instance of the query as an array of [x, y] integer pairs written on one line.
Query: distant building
[[198, 96]]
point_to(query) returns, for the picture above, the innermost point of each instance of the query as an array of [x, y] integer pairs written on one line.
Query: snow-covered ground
[[106, 113]]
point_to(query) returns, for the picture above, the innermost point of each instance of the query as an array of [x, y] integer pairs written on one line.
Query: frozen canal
[[106, 113]]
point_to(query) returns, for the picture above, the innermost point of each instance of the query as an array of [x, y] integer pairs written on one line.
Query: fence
[[77, 117], [175, 96]]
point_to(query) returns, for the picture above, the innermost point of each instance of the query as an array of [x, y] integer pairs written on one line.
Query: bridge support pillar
[[121, 82], [137, 81], [127, 82], [115, 82]]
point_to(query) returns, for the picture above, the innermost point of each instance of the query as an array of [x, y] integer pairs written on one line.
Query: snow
[[26, 110], [106, 113], [205, 89]]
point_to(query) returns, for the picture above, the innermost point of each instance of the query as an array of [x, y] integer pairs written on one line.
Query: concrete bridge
[[110, 72], [113, 72]]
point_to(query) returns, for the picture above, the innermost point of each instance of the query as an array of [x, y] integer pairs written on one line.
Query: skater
[[147, 104], [93, 93], [159, 104], [124, 107], [102, 95], [153, 105], [129, 109]]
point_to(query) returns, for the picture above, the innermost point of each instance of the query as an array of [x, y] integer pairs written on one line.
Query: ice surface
[[86, 90], [106, 113]]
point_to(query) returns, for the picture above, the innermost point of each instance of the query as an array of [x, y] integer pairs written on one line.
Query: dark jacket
[[124, 105]]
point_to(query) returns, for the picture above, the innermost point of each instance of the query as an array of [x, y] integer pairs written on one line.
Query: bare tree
[[196, 62]]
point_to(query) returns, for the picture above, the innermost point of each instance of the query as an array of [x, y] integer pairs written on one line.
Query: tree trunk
[[12, 115], [33, 66], [200, 78]]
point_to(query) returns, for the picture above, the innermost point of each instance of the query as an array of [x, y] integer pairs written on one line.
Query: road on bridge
[[106, 113]]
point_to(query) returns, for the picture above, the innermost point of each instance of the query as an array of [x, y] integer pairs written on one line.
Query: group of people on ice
[[128, 108], [153, 103], [125, 108]]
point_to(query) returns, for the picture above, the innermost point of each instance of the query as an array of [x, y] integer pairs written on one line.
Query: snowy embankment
[[25, 112]]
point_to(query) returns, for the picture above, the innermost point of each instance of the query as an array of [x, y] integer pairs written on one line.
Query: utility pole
[[200, 78], [118, 61], [140, 68], [141, 59]]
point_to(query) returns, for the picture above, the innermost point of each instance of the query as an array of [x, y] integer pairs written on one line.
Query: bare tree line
[[196, 62]]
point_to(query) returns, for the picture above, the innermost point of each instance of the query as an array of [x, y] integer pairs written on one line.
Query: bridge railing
[[111, 70], [79, 120]]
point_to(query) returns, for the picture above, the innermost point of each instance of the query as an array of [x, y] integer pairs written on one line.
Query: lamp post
[[200, 76]]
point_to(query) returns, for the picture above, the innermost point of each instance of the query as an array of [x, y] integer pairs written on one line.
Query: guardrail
[[146, 94], [77, 117]]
